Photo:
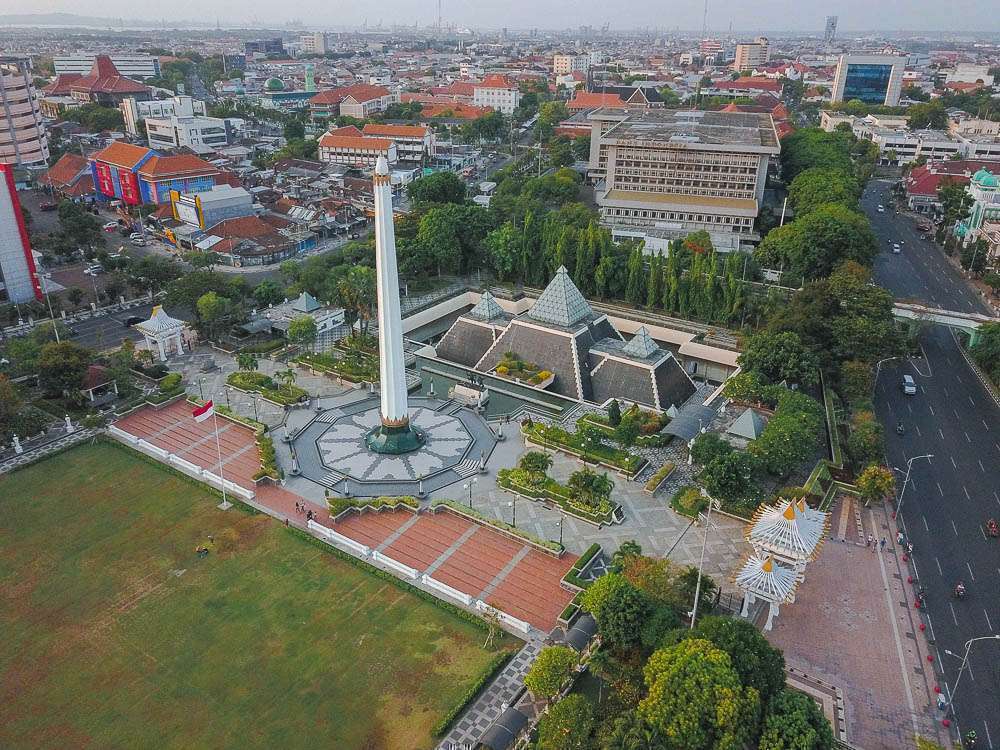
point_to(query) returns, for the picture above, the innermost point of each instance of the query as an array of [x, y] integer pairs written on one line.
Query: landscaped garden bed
[[587, 445], [356, 367], [661, 475], [546, 545], [587, 496], [689, 502], [283, 394], [338, 505], [514, 368]]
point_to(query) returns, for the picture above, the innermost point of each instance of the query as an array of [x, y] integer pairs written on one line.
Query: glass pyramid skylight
[[561, 303]]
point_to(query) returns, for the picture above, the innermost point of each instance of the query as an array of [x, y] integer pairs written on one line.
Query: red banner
[[105, 183], [130, 187]]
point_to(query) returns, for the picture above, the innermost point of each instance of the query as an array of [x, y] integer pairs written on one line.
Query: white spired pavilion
[[162, 331], [791, 533], [395, 434], [763, 578]]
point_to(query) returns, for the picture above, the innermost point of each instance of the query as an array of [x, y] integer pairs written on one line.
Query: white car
[[94, 270], [909, 387], [881, 208], [895, 248], [111, 226]]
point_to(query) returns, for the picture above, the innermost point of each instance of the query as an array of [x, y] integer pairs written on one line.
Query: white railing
[[447, 590], [503, 616], [333, 536], [406, 570]]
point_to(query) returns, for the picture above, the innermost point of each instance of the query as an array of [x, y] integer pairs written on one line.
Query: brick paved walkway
[[852, 626]]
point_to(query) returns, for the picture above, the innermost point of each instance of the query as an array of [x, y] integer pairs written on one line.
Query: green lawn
[[115, 634]]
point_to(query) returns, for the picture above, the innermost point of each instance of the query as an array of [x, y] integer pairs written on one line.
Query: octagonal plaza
[[330, 449]]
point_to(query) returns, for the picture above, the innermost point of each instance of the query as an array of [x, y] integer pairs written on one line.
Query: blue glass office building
[[869, 83]]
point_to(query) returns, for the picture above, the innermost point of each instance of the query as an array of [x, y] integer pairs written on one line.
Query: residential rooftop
[[746, 130]]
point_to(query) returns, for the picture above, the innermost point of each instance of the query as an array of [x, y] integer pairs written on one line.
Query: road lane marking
[[971, 574], [945, 389], [940, 491], [919, 433], [957, 416], [940, 572], [966, 491], [926, 527], [940, 433], [932, 409], [951, 457], [909, 407], [954, 528], [981, 467], [986, 726], [983, 533], [953, 617], [988, 623], [967, 438], [985, 425]]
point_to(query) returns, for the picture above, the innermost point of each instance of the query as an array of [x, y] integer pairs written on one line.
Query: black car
[[131, 321]]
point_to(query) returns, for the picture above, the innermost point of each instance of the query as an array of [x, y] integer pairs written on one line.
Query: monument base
[[395, 440]]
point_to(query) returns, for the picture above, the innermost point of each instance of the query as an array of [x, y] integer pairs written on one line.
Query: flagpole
[[226, 505]]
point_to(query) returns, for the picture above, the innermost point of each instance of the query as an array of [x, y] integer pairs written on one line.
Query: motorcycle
[[993, 528], [959, 592], [899, 428]]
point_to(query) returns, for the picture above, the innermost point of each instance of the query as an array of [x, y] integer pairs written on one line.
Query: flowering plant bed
[[661, 475], [587, 448], [513, 368], [356, 367], [258, 382]]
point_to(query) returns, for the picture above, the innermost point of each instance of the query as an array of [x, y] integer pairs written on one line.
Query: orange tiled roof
[[409, 131], [65, 171], [347, 141], [121, 154], [105, 78], [175, 166], [346, 130], [457, 110], [360, 92], [496, 81], [245, 227], [61, 86], [591, 99]]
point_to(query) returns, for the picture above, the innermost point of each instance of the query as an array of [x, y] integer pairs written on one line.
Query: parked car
[[132, 320], [94, 270], [895, 248], [909, 387], [881, 208], [48, 206], [111, 226]]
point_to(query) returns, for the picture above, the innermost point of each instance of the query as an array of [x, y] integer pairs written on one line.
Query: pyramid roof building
[[748, 425], [306, 303], [642, 345], [488, 309], [561, 304]]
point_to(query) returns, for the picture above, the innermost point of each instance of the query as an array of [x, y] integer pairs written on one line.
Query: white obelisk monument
[[394, 434]]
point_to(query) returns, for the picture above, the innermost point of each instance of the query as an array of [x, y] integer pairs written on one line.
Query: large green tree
[[813, 245], [696, 700], [986, 351], [567, 725], [780, 356], [440, 187], [61, 367], [817, 186], [794, 722], [551, 668]]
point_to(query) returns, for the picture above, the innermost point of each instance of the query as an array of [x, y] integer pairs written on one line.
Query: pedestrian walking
[[874, 545], [870, 541], [286, 522], [882, 543]]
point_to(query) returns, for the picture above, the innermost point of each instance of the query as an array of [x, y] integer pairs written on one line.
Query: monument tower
[[395, 434]]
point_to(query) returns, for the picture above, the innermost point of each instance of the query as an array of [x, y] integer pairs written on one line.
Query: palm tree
[[288, 377], [246, 362]]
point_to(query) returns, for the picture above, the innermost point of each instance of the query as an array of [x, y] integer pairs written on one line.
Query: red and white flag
[[203, 412]]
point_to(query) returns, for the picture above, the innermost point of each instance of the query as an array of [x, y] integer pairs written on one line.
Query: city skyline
[[854, 15]]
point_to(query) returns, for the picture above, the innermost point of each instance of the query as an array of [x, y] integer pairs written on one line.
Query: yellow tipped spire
[[790, 511], [802, 505], [768, 565]]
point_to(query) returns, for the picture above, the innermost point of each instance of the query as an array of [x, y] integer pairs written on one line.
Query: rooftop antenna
[[439, 16], [704, 22]]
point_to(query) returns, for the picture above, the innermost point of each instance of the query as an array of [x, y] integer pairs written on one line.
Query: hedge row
[[546, 435], [495, 665], [338, 505], [557, 493], [660, 476]]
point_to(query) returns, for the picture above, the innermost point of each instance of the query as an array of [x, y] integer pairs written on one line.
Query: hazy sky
[[800, 15]]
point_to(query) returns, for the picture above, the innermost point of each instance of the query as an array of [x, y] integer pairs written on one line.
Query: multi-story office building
[[264, 47], [18, 278], [678, 168], [23, 140], [830, 32], [130, 66], [563, 65], [200, 134], [414, 143], [180, 106], [873, 79], [498, 92], [314, 44], [750, 56], [355, 151]]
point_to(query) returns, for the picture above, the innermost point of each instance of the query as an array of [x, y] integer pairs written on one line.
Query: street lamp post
[[562, 518], [513, 518], [878, 369], [468, 486], [701, 559], [965, 658], [909, 468]]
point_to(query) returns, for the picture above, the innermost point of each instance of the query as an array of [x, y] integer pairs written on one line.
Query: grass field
[[116, 635]]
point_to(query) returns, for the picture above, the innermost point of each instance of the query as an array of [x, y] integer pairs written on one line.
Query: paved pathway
[[494, 700], [853, 626], [54, 446]]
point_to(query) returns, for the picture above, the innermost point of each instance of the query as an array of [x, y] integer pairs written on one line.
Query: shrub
[[688, 501], [552, 667], [661, 474], [170, 382]]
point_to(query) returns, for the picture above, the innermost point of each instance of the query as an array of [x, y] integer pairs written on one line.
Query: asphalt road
[[108, 331], [948, 498]]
